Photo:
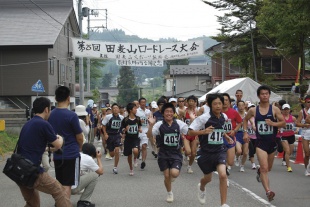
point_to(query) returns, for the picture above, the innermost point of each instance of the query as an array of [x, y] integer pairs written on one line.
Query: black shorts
[[208, 162], [67, 171], [129, 144], [114, 140], [268, 146], [290, 139], [169, 159]]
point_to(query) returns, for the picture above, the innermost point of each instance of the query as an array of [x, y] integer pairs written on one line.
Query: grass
[[7, 142]]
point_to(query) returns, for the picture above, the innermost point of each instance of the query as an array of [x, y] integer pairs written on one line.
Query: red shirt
[[234, 118]]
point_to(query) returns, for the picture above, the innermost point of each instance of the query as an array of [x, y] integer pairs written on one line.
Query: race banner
[[144, 63], [137, 51]]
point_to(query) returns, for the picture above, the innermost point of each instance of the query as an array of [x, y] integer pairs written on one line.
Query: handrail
[[22, 102], [14, 103]]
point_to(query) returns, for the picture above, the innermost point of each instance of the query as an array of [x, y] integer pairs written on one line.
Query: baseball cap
[[286, 106], [95, 106], [172, 99], [154, 105], [251, 105]]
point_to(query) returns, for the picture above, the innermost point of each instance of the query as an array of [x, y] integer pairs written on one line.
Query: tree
[[238, 24], [128, 91], [106, 80], [288, 23]]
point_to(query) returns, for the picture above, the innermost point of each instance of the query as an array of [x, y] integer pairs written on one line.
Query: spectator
[[81, 112], [34, 137], [66, 123], [89, 173]]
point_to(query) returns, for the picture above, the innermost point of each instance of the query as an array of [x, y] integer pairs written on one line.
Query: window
[[51, 66], [62, 68], [67, 72], [233, 69], [70, 74], [272, 65]]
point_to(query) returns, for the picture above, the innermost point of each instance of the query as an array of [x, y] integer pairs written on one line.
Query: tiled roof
[[24, 23], [190, 70]]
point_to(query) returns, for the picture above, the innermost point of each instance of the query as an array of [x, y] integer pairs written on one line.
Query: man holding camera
[[33, 139]]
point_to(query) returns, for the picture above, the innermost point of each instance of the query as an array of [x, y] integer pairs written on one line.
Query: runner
[[190, 142], [231, 126], [111, 126], [241, 146], [302, 121], [143, 113], [131, 126], [288, 135], [212, 156], [267, 120], [239, 95], [181, 107], [168, 138], [252, 136]]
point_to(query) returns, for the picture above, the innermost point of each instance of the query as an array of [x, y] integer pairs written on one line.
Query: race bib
[[133, 129], [171, 139], [187, 121], [251, 131], [263, 128], [227, 125], [143, 121], [216, 137], [289, 127], [116, 124], [241, 128]]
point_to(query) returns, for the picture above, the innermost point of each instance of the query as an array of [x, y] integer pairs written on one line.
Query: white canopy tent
[[247, 85]]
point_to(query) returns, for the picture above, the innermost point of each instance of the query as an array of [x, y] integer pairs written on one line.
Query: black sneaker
[[142, 165], [227, 171], [85, 204], [258, 175], [155, 155]]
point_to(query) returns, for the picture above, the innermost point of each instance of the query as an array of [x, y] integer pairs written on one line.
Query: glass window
[[272, 65], [51, 66], [233, 69]]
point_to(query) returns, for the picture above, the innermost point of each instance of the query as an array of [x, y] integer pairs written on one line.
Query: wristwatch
[[245, 130]]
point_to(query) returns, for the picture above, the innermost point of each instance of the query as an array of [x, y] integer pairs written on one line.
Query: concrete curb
[[5, 156]]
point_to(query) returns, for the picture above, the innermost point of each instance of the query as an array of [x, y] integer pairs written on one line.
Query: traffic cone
[[280, 155], [299, 153]]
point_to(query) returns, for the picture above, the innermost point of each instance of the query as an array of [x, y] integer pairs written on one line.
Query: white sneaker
[[253, 166], [227, 183], [225, 205], [185, 162], [307, 173], [229, 167], [108, 157], [241, 168], [283, 163], [237, 162], [201, 195], [115, 171], [169, 197], [135, 163], [308, 167], [189, 170]]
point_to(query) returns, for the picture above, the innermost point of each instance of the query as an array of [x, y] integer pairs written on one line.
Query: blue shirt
[[159, 116], [66, 124], [33, 139]]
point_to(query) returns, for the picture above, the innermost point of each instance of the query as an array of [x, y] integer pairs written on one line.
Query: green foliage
[[128, 91], [96, 95], [7, 142], [106, 80]]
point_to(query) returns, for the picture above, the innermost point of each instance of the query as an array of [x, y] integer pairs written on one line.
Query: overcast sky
[[154, 19]]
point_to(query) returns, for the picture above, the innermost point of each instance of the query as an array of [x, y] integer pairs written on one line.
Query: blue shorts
[[239, 137], [208, 162], [229, 145]]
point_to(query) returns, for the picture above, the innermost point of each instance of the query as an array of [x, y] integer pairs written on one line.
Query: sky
[[154, 19]]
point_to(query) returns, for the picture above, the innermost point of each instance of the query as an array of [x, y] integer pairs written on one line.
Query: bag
[[21, 170]]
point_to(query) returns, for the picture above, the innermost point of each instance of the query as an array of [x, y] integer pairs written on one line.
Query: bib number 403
[[171, 139]]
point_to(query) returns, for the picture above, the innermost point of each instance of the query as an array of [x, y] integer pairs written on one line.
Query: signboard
[[38, 87], [137, 51], [144, 63]]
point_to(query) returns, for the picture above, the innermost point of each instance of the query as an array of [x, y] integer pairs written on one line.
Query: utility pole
[[253, 53], [223, 60], [81, 69]]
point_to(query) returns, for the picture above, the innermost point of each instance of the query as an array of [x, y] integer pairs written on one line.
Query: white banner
[[145, 63], [137, 51]]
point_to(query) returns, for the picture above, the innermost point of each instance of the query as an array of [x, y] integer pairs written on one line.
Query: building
[[35, 45], [186, 80]]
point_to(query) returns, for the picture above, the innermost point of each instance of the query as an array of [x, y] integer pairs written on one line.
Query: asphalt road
[[146, 188]]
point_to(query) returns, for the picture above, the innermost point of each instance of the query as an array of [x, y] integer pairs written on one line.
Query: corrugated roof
[[24, 23], [190, 69]]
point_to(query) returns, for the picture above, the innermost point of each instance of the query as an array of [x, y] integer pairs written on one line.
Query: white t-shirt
[[87, 164], [206, 109], [200, 121], [177, 109], [84, 127], [143, 114]]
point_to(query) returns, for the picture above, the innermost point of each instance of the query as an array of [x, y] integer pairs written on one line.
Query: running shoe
[[289, 169], [227, 171], [227, 183], [135, 162], [84, 203], [169, 197], [253, 166], [241, 168], [307, 173], [201, 195], [189, 170], [185, 162], [142, 165], [225, 205], [270, 195], [131, 173], [115, 171], [308, 167], [258, 175], [283, 163], [237, 161], [154, 154], [108, 157]]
